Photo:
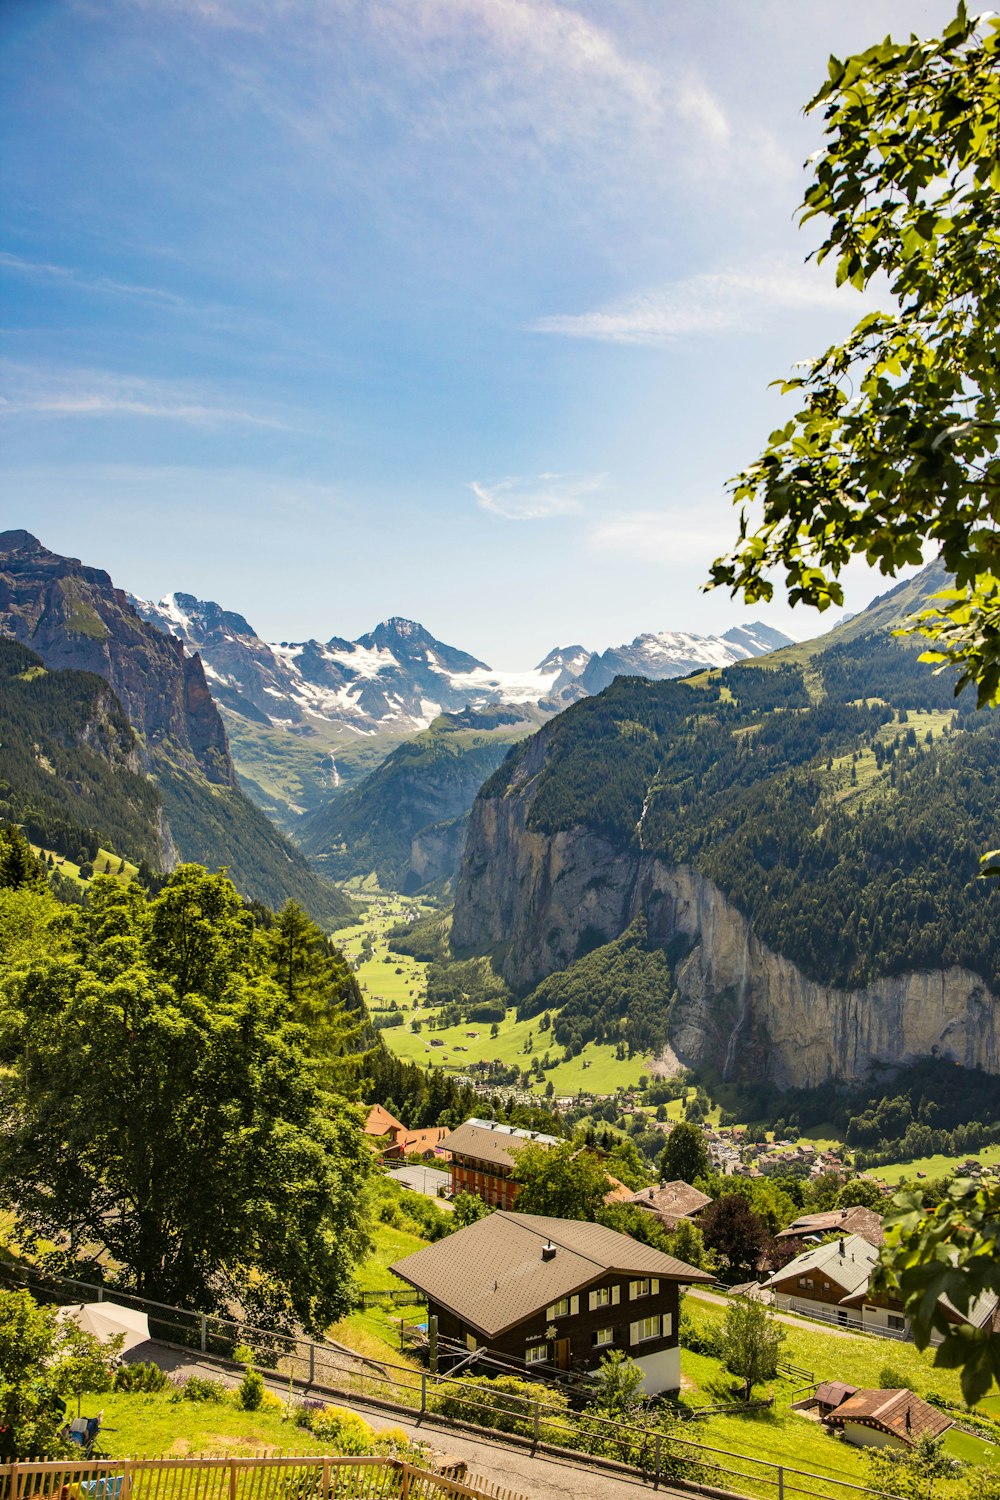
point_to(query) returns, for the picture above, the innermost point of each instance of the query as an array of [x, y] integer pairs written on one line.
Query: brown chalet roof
[[856, 1220], [381, 1122], [833, 1392], [492, 1275], [672, 1200], [902, 1413], [488, 1141]]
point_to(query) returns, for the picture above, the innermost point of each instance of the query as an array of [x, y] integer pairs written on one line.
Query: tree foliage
[[685, 1155], [730, 1227], [31, 1412], [950, 1250], [895, 443], [750, 1343], [163, 1113], [563, 1181]]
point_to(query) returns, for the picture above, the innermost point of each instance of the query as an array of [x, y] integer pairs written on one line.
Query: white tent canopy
[[107, 1319]]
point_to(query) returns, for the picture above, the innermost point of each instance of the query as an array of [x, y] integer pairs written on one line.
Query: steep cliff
[[740, 1008], [802, 839]]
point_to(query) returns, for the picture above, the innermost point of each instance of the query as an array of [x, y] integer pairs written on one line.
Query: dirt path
[[536, 1477]]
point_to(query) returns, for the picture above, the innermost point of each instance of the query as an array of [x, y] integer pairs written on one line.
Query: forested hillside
[[847, 824], [421, 792], [69, 763]]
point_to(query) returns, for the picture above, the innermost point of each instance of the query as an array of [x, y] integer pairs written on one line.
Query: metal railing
[[542, 1422], [837, 1319], [400, 1297], [284, 1478]]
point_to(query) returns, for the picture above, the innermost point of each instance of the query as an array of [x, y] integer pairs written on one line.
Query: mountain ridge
[[73, 617], [308, 719]]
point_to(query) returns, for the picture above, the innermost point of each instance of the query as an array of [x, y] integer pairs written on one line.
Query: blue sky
[[458, 309]]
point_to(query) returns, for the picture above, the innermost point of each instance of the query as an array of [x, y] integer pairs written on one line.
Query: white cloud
[[536, 498], [96, 393], [728, 301], [654, 536]]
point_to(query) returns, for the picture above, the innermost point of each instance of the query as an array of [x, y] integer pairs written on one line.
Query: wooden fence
[[285, 1478]]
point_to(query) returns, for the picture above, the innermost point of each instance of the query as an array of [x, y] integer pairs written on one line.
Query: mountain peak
[[19, 541]]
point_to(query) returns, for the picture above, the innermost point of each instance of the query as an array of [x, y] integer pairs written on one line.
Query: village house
[[820, 1279], [482, 1159], [881, 1314], [833, 1281], [855, 1220], [671, 1202], [886, 1419], [555, 1293], [382, 1126], [430, 1144]]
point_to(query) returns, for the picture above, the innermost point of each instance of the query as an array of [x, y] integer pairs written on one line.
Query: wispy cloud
[[538, 497], [653, 536], [714, 302], [81, 281], [96, 393]]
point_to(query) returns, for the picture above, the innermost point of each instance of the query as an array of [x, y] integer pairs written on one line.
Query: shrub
[[250, 1393], [196, 1388], [345, 1432], [706, 1340], [891, 1379], [504, 1403], [139, 1377]]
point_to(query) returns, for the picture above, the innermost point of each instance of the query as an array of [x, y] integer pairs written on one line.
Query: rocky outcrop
[[536, 901], [74, 617]]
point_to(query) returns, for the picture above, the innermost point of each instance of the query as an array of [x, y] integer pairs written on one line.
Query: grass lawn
[[857, 1359], [154, 1426], [374, 1331], [71, 870]]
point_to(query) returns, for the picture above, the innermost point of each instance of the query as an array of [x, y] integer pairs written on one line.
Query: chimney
[[843, 1249], [548, 1251]]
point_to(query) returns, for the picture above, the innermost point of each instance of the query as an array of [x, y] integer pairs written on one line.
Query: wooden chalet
[[555, 1292]]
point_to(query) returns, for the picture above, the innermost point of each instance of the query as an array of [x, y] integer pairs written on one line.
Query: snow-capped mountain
[[674, 653], [399, 677]]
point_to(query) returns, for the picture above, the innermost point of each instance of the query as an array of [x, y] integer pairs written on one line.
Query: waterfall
[[743, 1001]]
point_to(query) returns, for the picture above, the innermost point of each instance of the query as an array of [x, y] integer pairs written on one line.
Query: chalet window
[[599, 1297], [826, 1286], [645, 1328], [646, 1287], [895, 1322], [602, 1336], [558, 1309], [802, 1281], [536, 1354]]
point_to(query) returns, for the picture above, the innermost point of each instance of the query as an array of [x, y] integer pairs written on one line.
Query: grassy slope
[[72, 871], [782, 1436]]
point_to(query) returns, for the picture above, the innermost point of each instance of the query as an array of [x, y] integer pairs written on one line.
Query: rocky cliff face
[[74, 617], [536, 901]]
